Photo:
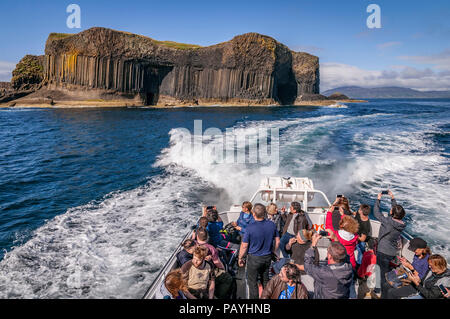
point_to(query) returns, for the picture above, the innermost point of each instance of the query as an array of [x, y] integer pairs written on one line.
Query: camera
[[323, 233]]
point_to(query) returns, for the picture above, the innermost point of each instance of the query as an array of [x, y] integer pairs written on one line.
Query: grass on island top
[[171, 44], [57, 36]]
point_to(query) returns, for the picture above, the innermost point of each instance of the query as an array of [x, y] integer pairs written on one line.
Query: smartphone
[[408, 270], [323, 233], [339, 196], [385, 193], [209, 207], [444, 291]]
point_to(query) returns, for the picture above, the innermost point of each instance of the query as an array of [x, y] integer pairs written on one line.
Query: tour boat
[[281, 191]]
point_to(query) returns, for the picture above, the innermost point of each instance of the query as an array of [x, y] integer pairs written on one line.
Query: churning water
[[94, 201]]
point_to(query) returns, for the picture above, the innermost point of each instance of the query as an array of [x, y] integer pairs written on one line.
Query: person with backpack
[[389, 237]]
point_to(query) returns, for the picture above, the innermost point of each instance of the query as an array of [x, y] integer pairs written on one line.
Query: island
[[104, 67]]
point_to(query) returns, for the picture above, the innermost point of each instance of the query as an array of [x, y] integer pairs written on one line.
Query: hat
[[417, 243], [302, 236]]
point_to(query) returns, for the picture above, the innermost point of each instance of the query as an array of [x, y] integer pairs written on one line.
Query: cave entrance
[[150, 99], [153, 78], [287, 93]]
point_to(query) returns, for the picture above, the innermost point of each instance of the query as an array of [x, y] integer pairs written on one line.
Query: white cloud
[[335, 75], [388, 45], [5, 70], [439, 61]]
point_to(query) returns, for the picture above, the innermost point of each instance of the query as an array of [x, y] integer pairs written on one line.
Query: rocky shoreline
[[101, 67], [120, 104]]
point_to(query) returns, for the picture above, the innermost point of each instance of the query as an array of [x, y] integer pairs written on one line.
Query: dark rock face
[[5, 86], [338, 96], [27, 79], [307, 73], [5, 89], [28, 74], [251, 67]]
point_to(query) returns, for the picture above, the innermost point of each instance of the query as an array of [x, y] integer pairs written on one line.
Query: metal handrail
[[282, 190]]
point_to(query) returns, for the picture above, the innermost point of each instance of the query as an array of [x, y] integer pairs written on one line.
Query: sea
[[94, 201]]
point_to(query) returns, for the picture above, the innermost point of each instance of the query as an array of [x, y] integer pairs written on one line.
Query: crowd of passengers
[[357, 265]]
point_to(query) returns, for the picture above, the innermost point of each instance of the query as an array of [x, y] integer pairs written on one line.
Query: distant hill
[[356, 92]]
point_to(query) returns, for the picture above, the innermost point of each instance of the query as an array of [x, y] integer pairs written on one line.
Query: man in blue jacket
[[245, 219]]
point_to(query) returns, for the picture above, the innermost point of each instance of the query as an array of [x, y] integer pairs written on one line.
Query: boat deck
[[315, 215], [281, 191]]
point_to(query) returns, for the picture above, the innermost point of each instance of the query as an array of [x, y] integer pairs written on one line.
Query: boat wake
[[115, 247], [337, 106]]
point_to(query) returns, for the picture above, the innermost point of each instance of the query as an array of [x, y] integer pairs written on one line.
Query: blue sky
[[411, 49]]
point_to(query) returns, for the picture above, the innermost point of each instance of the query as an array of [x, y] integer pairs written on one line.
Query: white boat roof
[[287, 183], [288, 189]]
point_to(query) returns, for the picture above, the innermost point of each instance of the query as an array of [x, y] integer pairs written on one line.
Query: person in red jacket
[[347, 236], [339, 208]]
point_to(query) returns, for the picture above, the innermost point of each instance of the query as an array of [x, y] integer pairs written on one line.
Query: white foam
[[110, 249], [113, 249], [406, 160], [412, 166], [336, 106], [239, 180]]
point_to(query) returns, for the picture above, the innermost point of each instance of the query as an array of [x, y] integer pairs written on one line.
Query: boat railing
[[275, 195], [157, 282]]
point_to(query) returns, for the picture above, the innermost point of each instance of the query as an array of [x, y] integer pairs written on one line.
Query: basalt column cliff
[[107, 65]]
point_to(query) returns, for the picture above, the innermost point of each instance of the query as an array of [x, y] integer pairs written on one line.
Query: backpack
[[394, 280]]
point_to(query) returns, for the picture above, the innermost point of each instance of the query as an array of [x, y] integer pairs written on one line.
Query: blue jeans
[[361, 247], [283, 242], [353, 288]]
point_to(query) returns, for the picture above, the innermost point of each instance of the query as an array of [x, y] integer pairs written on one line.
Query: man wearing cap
[[419, 266], [297, 247]]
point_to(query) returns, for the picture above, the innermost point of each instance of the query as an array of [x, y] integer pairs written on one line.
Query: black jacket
[[429, 289], [183, 257]]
